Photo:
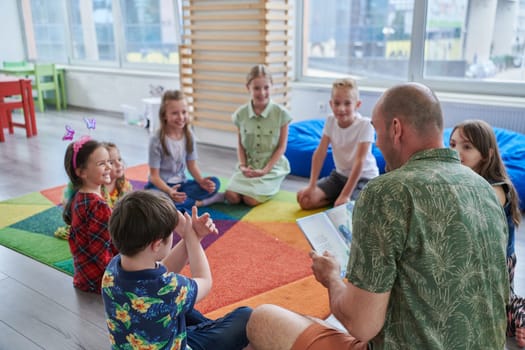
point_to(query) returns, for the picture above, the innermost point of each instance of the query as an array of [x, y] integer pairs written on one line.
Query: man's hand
[[341, 200], [325, 268]]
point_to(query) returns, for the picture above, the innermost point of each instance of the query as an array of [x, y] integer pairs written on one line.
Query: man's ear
[[397, 128]]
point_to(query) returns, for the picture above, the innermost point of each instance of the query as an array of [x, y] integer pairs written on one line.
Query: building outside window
[[378, 41]]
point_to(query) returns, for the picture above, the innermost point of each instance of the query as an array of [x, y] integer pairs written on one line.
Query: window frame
[[119, 62], [416, 64]]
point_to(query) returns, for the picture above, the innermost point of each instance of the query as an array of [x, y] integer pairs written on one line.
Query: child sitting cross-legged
[[145, 299]]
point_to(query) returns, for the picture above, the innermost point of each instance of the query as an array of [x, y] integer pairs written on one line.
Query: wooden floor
[[39, 308]]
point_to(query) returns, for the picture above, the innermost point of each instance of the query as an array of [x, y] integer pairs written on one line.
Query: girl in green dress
[[262, 130]]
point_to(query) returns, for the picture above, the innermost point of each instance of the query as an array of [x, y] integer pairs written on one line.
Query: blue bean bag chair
[[304, 136]]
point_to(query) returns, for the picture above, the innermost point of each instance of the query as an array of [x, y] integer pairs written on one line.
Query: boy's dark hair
[[140, 218]]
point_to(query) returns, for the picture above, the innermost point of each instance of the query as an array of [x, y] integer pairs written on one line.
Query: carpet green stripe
[[37, 246], [65, 266], [34, 198], [286, 196]]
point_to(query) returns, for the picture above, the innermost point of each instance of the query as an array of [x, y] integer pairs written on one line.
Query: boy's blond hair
[[346, 83]]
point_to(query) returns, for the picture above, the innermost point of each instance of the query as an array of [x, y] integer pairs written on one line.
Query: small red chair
[[14, 87]]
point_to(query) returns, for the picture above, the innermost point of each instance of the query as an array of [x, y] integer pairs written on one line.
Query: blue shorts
[[225, 333]]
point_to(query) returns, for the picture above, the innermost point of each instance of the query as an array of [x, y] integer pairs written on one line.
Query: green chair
[[46, 79], [16, 68], [14, 64]]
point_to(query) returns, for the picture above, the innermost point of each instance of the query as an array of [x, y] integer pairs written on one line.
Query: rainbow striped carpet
[[260, 255]]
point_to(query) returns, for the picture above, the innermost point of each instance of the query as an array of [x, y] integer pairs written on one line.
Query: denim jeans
[[194, 192], [225, 333]]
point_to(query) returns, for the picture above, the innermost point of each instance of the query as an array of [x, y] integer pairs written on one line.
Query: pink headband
[[77, 146]]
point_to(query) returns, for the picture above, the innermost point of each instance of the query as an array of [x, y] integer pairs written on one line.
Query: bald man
[[427, 263]]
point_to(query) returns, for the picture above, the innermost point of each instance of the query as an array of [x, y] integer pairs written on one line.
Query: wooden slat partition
[[222, 40]]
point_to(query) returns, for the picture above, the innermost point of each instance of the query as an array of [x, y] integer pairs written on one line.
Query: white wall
[[311, 101], [106, 90], [500, 112], [11, 40]]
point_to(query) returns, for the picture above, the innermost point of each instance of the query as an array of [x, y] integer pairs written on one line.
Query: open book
[[331, 231]]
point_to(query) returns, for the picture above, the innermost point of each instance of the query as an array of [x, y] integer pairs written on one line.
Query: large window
[[454, 45], [150, 31], [45, 28], [142, 33], [92, 33], [459, 45]]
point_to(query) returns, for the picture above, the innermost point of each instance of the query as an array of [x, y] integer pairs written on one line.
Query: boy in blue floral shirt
[[145, 300]]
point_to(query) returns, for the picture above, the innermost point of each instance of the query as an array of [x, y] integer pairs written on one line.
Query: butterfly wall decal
[[68, 136], [90, 123]]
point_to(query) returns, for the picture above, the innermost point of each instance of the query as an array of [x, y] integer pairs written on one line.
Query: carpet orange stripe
[[246, 262], [54, 194], [305, 296], [286, 232], [138, 172]]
